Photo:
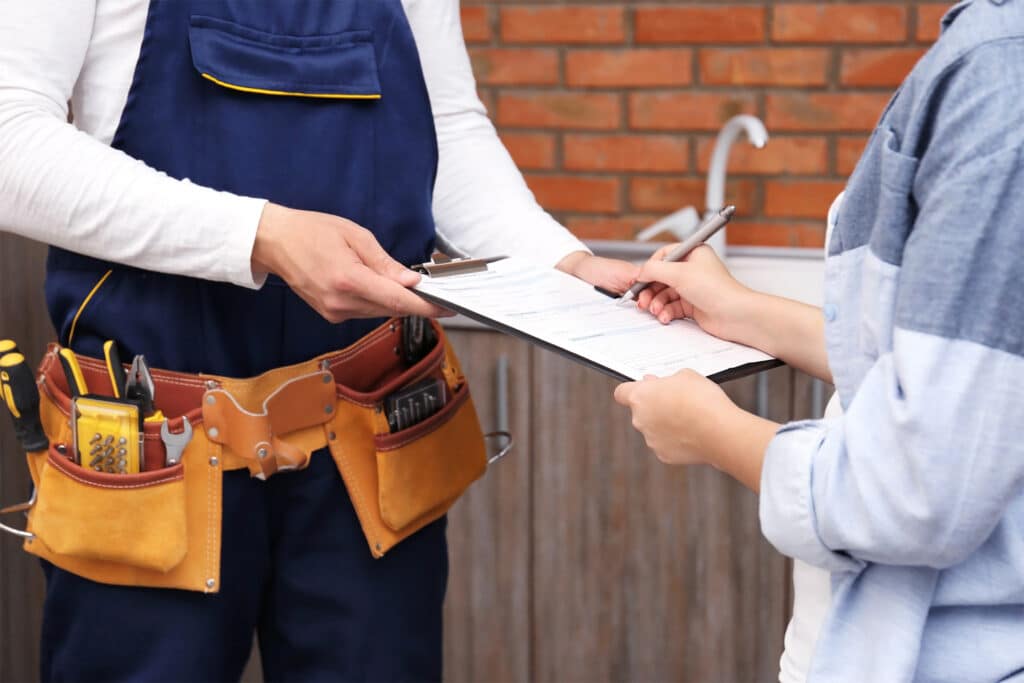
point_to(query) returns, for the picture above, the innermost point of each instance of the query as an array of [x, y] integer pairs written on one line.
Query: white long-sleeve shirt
[[61, 183]]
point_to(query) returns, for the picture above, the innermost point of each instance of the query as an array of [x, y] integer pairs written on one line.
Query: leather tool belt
[[162, 527]]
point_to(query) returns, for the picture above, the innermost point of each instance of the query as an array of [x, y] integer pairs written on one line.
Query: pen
[[712, 225]]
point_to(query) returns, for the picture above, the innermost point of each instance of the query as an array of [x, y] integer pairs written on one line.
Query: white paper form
[[564, 312]]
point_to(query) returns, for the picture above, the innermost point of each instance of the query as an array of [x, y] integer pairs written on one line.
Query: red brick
[[796, 155], [609, 227], [878, 66], [687, 110], [629, 68], [775, 234], [764, 66], [824, 111], [840, 23], [928, 18], [669, 194], [476, 24], [579, 24], [576, 193], [503, 66], [800, 199], [848, 151], [531, 150], [724, 24], [589, 111], [626, 153]]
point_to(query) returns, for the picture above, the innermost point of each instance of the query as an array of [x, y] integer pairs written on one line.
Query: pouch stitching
[[179, 476], [355, 493], [457, 402], [210, 540]]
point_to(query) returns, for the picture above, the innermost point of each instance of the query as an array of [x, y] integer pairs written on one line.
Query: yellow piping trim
[[85, 302], [260, 91]]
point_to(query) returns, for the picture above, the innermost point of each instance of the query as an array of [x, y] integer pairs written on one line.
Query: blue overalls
[[313, 104]]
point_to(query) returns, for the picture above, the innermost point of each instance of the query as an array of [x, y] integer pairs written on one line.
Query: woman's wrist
[[737, 443], [741, 316]]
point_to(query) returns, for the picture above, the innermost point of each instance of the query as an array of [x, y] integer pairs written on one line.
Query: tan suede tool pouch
[[401, 482], [159, 528]]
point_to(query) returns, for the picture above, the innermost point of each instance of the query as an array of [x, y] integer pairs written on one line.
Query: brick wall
[[611, 108]]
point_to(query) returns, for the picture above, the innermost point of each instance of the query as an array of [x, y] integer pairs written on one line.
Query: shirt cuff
[[787, 513], [237, 222], [557, 244]]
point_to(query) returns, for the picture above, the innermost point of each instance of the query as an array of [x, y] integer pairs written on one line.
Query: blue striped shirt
[[914, 498]]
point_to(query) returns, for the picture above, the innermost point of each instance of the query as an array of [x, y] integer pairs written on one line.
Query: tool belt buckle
[[20, 507]]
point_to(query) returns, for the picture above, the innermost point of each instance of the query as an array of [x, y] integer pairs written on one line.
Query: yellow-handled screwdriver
[[18, 385], [73, 373]]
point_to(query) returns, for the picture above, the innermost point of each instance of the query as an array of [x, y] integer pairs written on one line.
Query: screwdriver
[[118, 379], [73, 373], [21, 395]]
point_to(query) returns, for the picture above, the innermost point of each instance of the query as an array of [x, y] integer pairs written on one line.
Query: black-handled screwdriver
[[18, 385]]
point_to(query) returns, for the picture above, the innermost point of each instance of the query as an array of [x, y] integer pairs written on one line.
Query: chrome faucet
[[714, 198]]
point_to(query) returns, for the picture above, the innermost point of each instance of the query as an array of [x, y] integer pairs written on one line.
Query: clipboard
[[439, 271]]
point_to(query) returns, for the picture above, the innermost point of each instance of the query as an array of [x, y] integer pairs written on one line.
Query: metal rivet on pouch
[[213, 461], [122, 441], [213, 432], [332, 436], [262, 453], [211, 399], [378, 409], [328, 409], [210, 583], [211, 385], [378, 547], [325, 365], [328, 378]]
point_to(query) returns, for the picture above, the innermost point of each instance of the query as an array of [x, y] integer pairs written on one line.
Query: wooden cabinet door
[[642, 571], [23, 318], [487, 610]]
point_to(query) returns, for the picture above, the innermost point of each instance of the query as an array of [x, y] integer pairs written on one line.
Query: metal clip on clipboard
[[443, 266]]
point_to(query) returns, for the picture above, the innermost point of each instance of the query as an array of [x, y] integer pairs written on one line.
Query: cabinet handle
[[762, 395], [501, 419], [501, 394], [817, 398]]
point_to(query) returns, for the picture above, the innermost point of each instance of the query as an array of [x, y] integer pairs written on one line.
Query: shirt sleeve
[[482, 205], [60, 186], [929, 456]]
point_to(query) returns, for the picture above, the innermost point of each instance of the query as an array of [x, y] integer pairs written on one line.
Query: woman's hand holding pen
[[698, 287]]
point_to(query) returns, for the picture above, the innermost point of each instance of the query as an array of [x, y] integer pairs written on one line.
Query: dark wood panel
[[643, 571], [487, 611], [23, 318]]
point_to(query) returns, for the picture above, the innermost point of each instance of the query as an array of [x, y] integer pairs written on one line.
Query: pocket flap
[[338, 65]]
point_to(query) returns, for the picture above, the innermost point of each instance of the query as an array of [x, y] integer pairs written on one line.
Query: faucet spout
[[714, 199]]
